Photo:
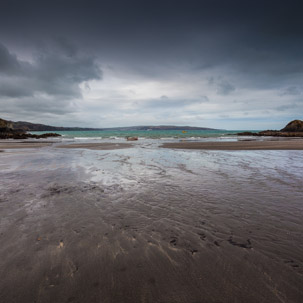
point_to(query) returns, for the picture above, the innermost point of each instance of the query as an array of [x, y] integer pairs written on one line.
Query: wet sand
[[23, 144], [239, 145], [97, 146], [151, 225]]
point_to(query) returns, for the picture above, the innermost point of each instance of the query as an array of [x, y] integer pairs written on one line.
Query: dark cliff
[[293, 126]]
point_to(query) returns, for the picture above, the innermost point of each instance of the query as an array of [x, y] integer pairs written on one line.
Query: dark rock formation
[[7, 131], [275, 133], [247, 134], [292, 129], [5, 124], [293, 126]]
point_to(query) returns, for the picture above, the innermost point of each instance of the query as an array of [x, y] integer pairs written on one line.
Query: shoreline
[[239, 145], [284, 144], [23, 144], [96, 146]]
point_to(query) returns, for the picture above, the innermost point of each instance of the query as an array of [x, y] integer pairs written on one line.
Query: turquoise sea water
[[156, 134]]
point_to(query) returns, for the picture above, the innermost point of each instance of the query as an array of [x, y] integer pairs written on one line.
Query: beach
[[97, 146], [293, 144], [111, 221], [6, 144], [239, 145]]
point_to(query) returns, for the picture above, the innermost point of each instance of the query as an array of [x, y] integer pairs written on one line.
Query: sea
[[145, 134]]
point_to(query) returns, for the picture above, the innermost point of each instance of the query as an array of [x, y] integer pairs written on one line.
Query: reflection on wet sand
[[97, 146], [296, 144], [151, 225]]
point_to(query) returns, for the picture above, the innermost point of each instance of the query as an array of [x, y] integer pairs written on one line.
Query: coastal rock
[[293, 126], [5, 124], [12, 134], [7, 131], [292, 129], [272, 133], [247, 134]]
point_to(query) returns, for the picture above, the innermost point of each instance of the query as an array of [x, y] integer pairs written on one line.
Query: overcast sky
[[223, 64]]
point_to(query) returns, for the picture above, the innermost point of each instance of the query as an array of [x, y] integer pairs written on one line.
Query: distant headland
[[11, 130], [292, 129], [21, 129], [18, 130], [27, 126]]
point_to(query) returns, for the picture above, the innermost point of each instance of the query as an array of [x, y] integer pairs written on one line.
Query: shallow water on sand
[[147, 224]]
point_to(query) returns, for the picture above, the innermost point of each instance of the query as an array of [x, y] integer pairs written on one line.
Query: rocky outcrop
[[5, 124], [274, 133], [12, 134], [7, 131], [292, 129], [293, 126]]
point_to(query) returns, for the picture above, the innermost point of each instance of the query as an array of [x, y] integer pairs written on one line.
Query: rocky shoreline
[[12, 134], [272, 133], [8, 132], [292, 129]]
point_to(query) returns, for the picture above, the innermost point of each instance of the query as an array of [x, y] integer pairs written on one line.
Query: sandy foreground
[[39, 144], [239, 145], [97, 146], [150, 225], [23, 144]]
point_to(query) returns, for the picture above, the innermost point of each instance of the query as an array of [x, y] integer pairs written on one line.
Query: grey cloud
[[164, 97], [286, 107], [167, 102], [222, 86], [9, 63], [52, 72], [37, 106], [15, 87], [292, 90]]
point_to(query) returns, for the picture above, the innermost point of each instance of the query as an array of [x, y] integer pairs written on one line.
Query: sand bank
[[97, 146], [23, 144], [239, 145]]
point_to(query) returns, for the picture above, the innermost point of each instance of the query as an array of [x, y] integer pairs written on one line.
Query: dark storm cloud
[[55, 71], [13, 87], [250, 37], [51, 47], [8, 63]]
